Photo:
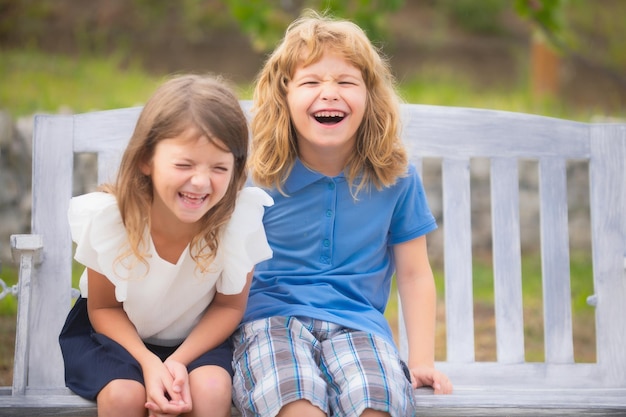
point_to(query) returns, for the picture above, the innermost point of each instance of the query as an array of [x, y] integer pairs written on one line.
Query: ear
[[145, 168]]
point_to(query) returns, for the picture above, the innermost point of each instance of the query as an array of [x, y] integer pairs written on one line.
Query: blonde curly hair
[[379, 157]]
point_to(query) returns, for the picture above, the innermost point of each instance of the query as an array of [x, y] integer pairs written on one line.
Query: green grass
[[8, 305], [32, 82]]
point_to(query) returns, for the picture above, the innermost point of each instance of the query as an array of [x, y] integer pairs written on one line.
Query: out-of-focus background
[[558, 58]]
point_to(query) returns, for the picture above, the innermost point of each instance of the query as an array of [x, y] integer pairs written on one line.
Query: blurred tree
[[265, 21], [546, 17], [480, 17], [555, 36]]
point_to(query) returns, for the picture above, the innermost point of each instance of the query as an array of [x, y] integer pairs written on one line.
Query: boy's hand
[[422, 376]]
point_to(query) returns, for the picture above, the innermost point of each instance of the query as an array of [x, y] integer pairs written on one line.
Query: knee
[[373, 413], [122, 397], [211, 384], [301, 408]]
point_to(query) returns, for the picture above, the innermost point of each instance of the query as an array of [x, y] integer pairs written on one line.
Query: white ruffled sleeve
[[244, 243], [98, 231]]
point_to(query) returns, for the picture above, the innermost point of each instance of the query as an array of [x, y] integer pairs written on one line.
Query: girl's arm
[[217, 324], [108, 317], [416, 286], [219, 321]]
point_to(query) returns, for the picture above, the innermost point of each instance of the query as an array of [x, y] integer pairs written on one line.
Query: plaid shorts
[[341, 371]]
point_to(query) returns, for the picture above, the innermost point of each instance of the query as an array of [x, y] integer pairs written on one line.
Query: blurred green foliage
[[547, 14], [264, 22], [480, 17]]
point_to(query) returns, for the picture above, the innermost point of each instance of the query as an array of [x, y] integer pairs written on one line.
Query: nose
[[201, 179], [329, 92]]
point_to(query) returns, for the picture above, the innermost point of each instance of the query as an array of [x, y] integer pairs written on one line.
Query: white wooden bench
[[507, 386]]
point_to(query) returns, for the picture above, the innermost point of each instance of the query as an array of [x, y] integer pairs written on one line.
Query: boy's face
[[326, 102]]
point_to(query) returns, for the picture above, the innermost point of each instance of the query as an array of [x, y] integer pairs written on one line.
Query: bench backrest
[[453, 135], [458, 135]]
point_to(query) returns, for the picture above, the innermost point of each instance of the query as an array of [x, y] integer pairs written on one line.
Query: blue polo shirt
[[333, 257]]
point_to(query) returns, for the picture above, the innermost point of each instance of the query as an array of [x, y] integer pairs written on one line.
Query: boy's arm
[[416, 287]]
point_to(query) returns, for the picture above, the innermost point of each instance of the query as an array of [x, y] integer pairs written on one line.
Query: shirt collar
[[301, 176]]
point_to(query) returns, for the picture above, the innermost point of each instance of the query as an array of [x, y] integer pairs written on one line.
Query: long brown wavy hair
[[379, 157], [208, 104]]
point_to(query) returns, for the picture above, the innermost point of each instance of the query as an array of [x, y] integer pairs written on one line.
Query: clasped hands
[[167, 389]]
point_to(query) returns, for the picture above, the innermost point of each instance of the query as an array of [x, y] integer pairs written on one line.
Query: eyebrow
[[358, 76]]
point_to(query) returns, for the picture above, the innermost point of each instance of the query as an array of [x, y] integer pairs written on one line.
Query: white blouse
[[165, 301]]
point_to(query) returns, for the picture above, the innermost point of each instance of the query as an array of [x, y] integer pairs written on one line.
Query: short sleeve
[[97, 229], [244, 243], [412, 217]]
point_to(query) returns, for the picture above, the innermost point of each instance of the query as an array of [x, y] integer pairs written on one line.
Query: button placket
[[329, 223]]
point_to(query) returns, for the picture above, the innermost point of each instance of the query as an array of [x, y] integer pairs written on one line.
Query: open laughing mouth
[[329, 117], [192, 198]]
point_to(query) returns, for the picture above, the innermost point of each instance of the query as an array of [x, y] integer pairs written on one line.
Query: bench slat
[[513, 401], [458, 260], [557, 295], [456, 132], [103, 133], [50, 286], [507, 260], [607, 179], [466, 401]]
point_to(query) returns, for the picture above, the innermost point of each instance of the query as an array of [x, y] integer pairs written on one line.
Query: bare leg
[[301, 408], [373, 413], [210, 392], [122, 397]]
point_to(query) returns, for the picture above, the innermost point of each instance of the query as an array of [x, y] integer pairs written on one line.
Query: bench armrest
[[26, 245], [26, 251]]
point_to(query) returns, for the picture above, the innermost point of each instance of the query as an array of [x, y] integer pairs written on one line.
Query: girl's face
[[189, 175], [326, 102]]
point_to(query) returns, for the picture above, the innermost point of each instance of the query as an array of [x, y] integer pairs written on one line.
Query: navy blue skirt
[[92, 360]]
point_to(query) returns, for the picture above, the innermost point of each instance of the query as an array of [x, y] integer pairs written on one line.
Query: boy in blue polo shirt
[[349, 211]]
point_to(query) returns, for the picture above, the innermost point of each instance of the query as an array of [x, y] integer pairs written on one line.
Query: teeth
[[329, 114], [192, 197]]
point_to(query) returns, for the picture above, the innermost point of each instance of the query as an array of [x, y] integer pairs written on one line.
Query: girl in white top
[[168, 249]]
